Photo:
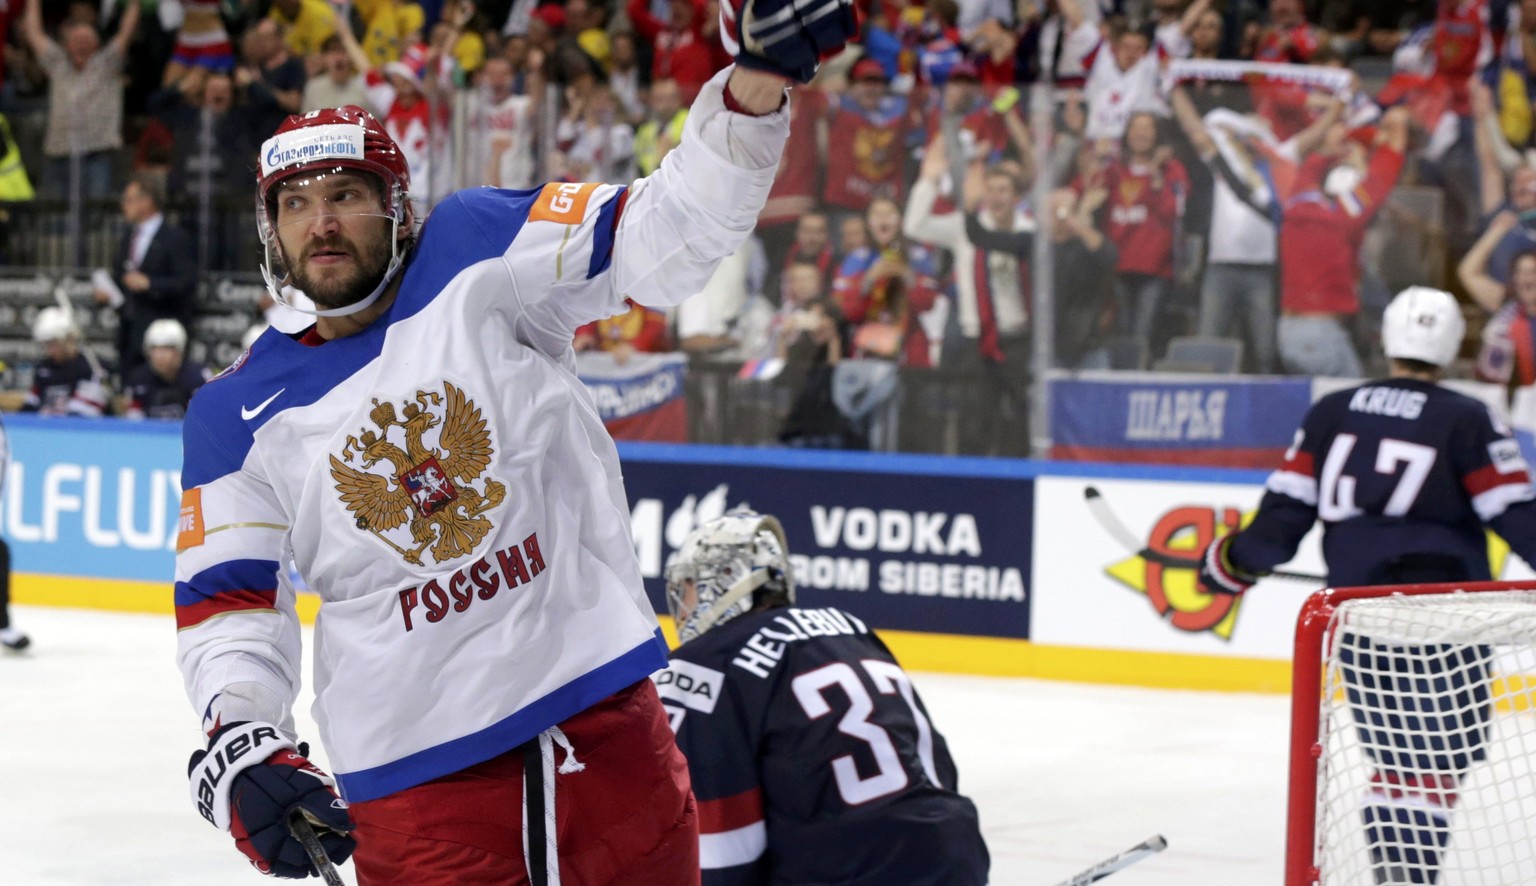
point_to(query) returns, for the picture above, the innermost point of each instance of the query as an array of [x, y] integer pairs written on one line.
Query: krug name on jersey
[[1392, 402], [429, 490]]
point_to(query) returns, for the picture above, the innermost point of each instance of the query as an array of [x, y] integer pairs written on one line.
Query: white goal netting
[[1427, 741]]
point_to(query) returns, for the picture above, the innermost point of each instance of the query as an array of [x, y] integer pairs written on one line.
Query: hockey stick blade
[[1111, 524], [1150, 846], [302, 831]]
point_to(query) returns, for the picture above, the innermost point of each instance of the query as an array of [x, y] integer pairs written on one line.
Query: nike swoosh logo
[[249, 414]]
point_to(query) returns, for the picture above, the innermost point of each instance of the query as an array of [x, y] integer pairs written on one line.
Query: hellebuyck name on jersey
[[765, 648]]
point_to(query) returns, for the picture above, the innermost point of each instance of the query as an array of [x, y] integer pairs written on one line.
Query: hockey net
[[1413, 737]]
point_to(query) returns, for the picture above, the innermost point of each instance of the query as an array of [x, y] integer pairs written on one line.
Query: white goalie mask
[[720, 567]]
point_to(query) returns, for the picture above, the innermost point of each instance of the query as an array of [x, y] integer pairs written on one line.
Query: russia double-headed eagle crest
[[432, 489]]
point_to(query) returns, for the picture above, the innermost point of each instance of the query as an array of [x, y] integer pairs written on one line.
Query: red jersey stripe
[[731, 813]]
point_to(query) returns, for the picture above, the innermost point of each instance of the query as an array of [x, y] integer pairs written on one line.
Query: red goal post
[[1494, 626]]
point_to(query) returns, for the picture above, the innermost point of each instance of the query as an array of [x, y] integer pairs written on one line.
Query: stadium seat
[[1218, 355]]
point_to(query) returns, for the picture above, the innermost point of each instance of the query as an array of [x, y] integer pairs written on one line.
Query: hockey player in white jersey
[[428, 459]]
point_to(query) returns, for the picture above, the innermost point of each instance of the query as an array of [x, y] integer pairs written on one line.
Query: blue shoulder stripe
[[605, 226]]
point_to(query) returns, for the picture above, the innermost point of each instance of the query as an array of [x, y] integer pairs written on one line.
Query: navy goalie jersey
[[1404, 474], [813, 758]]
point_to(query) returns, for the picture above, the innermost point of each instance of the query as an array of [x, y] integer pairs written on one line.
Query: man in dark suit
[[156, 271]]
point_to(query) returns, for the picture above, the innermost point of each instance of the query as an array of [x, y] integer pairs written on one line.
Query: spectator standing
[[337, 84], [163, 385], [157, 271], [1498, 192], [502, 127], [596, 144], [400, 90], [1122, 78], [663, 127], [1339, 191], [1239, 281], [1508, 353], [871, 126], [201, 41], [678, 46], [992, 295], [64, 382], [1085, 273], [625, 77], [1146, 188], [390, 28], [207, 133], [307, 24], [1286, 37], [882, 290], [273, 79], [85, 98]]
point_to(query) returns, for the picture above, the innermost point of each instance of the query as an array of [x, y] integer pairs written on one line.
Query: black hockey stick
[[1150, 846], [302, 831], [1107, 519]]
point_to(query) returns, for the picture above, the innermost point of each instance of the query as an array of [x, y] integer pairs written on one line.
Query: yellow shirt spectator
[[311, 24], [390, 29], [469, 52]]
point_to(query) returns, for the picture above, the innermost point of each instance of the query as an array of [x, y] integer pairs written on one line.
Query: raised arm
[[124, 35], [1190, 122], [1308, 139], [1490, 174], [359, 58], [32, 28], [1192, 15], [1473, 269], [918, 221]]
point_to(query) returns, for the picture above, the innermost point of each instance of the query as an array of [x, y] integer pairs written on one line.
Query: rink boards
[[965, 565]]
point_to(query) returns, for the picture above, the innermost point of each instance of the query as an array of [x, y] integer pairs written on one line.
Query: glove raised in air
[[1217, 572], [786, 37], [250, 780]]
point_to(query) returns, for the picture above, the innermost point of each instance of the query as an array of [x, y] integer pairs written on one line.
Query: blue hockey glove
[[1218, 575], [250, 780], [786, 37]]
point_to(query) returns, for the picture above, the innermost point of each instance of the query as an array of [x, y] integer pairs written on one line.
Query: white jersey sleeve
[[238, 640], [586, 247]]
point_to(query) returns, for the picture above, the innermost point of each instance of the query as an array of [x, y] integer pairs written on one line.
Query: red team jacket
[[1141, 220], [1320, 237]]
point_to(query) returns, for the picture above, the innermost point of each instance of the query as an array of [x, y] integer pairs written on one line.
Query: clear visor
[[320, 196]]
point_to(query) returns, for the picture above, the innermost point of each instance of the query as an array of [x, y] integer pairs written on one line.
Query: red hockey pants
[[628, 817]]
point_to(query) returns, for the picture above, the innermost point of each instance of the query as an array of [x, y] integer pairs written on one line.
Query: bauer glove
[[786, 37], [1217, 572], [250, 780]]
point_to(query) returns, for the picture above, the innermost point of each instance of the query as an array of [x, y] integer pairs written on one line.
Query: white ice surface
[[95, 731]]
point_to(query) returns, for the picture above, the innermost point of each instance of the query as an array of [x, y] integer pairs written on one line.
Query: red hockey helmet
[[331, 138], [323, 141]]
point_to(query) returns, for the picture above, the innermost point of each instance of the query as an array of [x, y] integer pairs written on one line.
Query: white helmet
[[725, 562], [1423, 324], [52, 324], [165, 333]]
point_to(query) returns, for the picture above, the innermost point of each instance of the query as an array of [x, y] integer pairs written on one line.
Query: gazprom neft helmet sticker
[[331, 141]]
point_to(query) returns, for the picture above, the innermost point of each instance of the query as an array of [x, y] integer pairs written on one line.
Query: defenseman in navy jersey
[[426, 457], [812, 756], [1404, 475]]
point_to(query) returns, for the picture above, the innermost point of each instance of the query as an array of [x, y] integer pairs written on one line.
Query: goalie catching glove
[[1217, 572], [250, 780], [786, 37]]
